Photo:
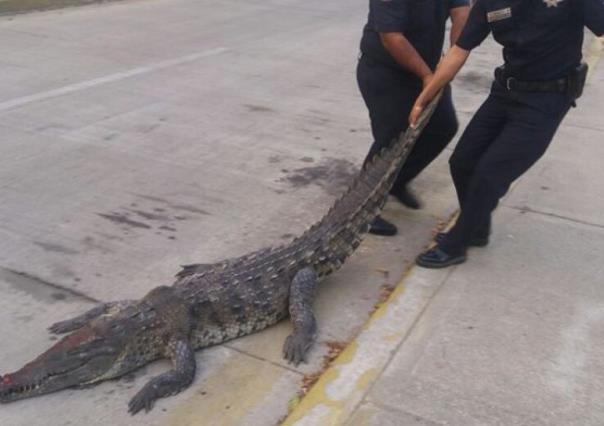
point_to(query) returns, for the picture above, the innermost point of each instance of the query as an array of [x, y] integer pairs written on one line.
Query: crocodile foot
[[143, 400], [296, 347]]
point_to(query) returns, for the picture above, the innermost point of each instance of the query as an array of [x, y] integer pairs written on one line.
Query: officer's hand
[[416, 111]]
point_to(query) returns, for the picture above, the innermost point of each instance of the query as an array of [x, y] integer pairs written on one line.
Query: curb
[[341, 388]]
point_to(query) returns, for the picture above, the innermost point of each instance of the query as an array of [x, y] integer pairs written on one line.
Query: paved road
[[140, 135]]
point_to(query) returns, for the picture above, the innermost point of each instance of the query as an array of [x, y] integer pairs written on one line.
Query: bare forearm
[[405, 54], [459, 16], [445, 72]]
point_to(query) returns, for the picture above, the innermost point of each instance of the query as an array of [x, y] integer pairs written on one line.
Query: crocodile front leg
[[182, 354], [301, 296]]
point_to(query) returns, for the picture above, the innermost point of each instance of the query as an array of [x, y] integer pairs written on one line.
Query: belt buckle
[[508, 83]]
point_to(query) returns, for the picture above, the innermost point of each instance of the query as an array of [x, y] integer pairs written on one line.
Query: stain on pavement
[[151, 216], [258, 108], [56, 248], [175, 205], [123, 219], [332, 175]]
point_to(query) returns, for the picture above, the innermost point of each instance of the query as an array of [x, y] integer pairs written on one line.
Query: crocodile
[[210, 304]]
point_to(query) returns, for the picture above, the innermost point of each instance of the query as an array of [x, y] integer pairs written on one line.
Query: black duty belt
[[560, 85]]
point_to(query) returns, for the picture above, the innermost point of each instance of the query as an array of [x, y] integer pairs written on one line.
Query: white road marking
[[111, 78]]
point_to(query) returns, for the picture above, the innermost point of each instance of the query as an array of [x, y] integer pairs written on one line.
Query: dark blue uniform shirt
[[421, 21], [541, 39]]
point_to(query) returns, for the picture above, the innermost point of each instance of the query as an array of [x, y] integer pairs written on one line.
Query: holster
[[576, 82]]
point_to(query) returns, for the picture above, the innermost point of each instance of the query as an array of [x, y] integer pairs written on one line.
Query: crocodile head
[[107, 347]]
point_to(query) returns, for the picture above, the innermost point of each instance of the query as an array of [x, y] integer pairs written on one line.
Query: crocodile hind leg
[[301, 296], [182, 354], [81, 320]]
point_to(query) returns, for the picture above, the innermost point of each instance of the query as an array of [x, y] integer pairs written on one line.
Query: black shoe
[[474, 242], [381, 226], [436, 258], [406, 198]]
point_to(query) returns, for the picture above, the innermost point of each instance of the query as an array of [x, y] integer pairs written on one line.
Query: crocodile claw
[[142, 400], [296, 347]]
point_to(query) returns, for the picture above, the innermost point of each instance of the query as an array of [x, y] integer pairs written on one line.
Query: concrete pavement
[[140, 135], [513, 336], [137, 136]]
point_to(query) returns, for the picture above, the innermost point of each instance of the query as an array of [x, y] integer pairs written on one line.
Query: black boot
[[406, 197], [381, 226], [437, 258]]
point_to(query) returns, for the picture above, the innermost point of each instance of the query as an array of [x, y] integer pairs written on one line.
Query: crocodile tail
[[335, 237]]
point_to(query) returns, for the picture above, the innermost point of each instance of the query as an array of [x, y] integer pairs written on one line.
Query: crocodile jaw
[[79, 358]]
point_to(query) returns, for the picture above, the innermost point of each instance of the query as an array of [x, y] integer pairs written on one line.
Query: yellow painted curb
[[336, 411]]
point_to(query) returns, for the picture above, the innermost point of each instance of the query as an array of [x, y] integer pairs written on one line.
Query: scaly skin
[[210, 304]]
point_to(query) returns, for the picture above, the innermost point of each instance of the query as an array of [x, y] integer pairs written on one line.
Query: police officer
[[541, 77], [400, 48]]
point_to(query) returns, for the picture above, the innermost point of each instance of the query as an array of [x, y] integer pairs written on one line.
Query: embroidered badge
[[498, 15], [552, 3]]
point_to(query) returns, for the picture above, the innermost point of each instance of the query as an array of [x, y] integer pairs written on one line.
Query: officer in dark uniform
[[541, 78], [401, 46]]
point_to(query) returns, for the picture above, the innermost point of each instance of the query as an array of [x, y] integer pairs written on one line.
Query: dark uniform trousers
[[506, 136], [389, 95]]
